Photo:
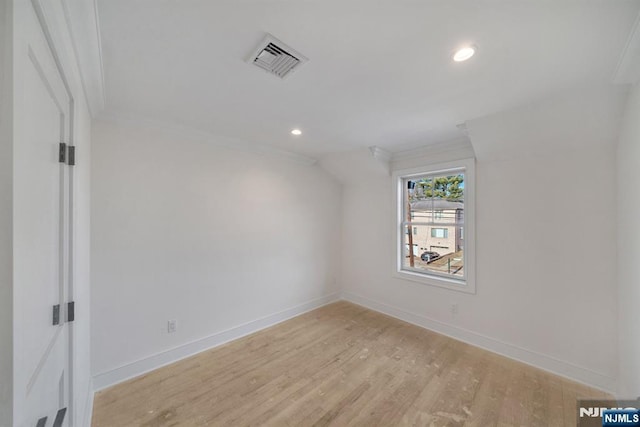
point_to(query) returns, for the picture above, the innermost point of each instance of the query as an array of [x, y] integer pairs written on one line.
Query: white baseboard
[[139, 367], [88, 406], [529, 357]]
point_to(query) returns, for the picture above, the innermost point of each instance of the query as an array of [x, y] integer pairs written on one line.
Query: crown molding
[[628, 68], [380, 154], [433, 149], [462, 127], [83, 25], [181, 132]]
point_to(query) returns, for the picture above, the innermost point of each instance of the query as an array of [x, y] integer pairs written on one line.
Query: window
[[437, 204], [440, 233]]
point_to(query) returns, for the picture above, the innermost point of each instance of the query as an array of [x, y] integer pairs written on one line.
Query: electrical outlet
[[172, 326], [454, 309]]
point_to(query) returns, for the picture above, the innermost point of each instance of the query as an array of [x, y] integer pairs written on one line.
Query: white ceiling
[[379, 72]]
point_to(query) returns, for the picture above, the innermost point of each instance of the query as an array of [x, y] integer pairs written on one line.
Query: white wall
[[546, 265], [6, 223], [628, 185], [185, 229]]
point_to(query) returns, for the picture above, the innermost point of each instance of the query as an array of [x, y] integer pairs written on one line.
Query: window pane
[[437, 199], [434, 255], [433, 224]]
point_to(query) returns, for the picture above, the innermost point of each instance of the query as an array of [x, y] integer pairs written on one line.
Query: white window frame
[[467, 283]]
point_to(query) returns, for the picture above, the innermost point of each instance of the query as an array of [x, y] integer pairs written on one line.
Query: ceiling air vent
[[276, 57]]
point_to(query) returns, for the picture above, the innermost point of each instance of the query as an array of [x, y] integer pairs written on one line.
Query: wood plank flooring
[[343, 365]]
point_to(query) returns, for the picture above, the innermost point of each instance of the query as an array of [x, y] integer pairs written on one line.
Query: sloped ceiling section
[[569, 120]]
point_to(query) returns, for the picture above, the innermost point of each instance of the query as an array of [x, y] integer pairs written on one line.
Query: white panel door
[[41, 233]]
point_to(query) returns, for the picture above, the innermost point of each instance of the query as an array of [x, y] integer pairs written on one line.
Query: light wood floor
[[343, 365]]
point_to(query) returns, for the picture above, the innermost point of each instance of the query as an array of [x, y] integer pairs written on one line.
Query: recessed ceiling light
[[296, 132], [464, 53]]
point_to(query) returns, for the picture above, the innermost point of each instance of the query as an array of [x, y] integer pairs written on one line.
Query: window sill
[[440, 282]]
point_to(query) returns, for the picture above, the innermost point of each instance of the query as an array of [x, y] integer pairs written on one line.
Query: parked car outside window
[[429, 256]]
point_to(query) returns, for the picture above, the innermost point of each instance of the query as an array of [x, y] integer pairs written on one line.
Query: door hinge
[[62, 153], [71, 311], [59, 417], [72, 156], [56, 314]]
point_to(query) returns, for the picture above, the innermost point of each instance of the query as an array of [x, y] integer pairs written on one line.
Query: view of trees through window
[[433, 224]]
